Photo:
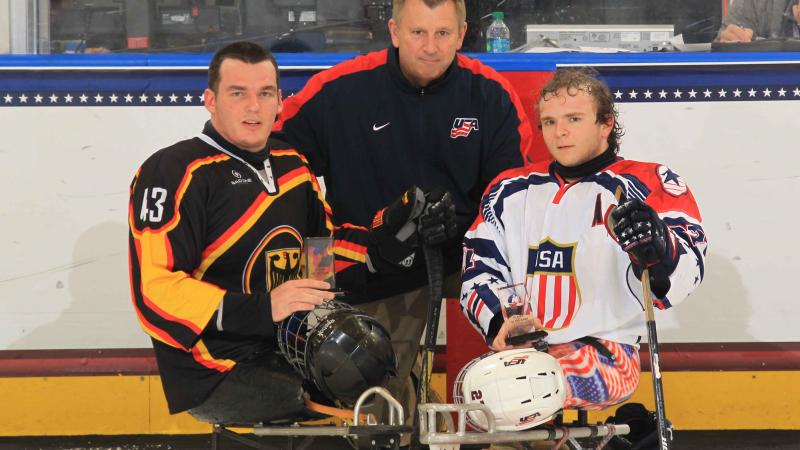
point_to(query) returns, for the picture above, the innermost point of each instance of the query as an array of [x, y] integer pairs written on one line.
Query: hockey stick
[[435, 265], [664, 431]]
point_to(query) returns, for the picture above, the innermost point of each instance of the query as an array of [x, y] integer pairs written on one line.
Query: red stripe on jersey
[[524, 127], [480, 308], [158, 333], [340, 265], [352, 246], [556, 303], [162, 335], [542, 298], [149, 327], [254, 207], [292, 105], [561, 191], [350, 225], [170, 256], [573, 296], [474, 298], [288, 152], [471, 299], [478, 221], [300, 171], [153, 307], [210, 363]]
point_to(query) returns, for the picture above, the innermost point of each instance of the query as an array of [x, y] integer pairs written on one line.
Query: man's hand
[[513, 326], [298, 295], [397, 219], [393, 235], [413, 219], [642, 234], [438, 223], [737, 33]]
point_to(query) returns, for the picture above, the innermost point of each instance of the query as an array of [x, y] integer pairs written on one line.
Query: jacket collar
[[393, 63]]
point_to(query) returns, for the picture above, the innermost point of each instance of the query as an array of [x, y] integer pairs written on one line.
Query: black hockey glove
[[642, 234], [437, 224], [393, 240], [648, 242]]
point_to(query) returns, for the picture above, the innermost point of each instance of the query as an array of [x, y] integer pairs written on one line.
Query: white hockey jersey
[[534, 230]]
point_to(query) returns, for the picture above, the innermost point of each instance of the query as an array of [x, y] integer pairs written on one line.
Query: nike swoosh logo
[[375, 126]]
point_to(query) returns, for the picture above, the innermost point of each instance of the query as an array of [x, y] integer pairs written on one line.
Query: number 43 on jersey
[[153, 205]]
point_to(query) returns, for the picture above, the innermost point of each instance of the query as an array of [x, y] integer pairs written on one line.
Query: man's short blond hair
[[461, 9]]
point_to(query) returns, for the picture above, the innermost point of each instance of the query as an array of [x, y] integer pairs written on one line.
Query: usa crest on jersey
[[553, 286]]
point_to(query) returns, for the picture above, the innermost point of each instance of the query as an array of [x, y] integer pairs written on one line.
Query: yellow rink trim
[[60, 406]]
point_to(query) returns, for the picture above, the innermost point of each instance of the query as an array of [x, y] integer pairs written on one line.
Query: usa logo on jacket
[[463, 126]]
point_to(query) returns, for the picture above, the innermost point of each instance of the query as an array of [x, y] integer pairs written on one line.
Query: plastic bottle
[[498, 36]]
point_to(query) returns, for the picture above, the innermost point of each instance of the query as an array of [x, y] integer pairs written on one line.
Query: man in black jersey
[[217, 224]]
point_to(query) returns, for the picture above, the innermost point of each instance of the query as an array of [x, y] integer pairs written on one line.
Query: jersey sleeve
[[675, 204], [167, 219], [486, 275]]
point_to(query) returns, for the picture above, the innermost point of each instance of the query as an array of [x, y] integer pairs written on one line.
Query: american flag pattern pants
[[595, 381]]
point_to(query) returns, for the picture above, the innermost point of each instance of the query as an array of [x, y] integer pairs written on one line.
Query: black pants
[[263, 389]]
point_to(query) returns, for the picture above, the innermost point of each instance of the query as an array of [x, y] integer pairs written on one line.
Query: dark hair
[[248, 52], [575, 79]]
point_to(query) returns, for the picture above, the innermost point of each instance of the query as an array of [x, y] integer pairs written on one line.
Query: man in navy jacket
[[418, 114]]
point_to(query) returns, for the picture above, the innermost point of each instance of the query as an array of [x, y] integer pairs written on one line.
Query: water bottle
[[498, 36]]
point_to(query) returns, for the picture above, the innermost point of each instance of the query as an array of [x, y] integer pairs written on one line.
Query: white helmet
[[522, 387]]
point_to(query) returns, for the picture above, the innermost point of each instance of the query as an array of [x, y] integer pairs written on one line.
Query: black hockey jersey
[[208, 241]]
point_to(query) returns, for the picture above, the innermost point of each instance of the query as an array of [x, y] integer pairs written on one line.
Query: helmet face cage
[[295, 331], [339, 348]]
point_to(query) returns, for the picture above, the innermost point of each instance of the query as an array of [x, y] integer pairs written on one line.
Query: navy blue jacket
[[371, 135]]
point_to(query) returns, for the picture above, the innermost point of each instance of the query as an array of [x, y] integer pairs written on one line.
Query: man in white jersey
[[542, 234]]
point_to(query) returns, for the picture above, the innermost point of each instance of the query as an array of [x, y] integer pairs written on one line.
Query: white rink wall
[[742, 161], [65, 174]]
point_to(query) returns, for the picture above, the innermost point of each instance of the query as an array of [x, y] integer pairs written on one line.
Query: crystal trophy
[[319, 260]]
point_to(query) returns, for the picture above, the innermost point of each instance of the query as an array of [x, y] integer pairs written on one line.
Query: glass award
[[319, 260]]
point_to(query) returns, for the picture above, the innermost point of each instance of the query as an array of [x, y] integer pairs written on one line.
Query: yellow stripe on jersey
[[174, 296], [350, 254], [293, 179], [202, 355]]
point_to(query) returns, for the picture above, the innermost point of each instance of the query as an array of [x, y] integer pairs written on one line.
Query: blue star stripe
[[130, 87]]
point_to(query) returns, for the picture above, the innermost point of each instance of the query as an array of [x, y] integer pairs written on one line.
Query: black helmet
[[342, 350]]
